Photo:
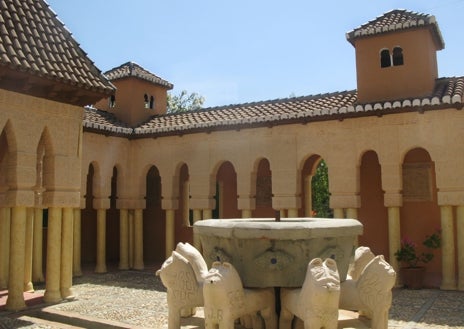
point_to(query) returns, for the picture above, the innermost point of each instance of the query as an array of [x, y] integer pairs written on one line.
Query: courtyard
[[137, 299]]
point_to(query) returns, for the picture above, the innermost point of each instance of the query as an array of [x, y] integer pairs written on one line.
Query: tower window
[[385, 60], [398, 56], [152, 102], [112, 101], [145, 101]]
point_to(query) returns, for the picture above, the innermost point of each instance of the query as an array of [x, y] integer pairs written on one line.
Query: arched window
[[385, 60], [398, 56]]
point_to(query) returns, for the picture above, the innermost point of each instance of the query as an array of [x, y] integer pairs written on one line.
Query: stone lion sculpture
[[371, 294], [362, 257], [316, 303], [226, 300], [184, 291]]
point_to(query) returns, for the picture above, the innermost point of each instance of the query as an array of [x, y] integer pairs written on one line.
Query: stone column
[[53, 270], [207, 213], [352, 213], [101, 241], [247, 213], [37, 270], [460, 235], [339, 213], [394, 235], [292, 213], [15, 300], [196, 218], [138, 239], [308, 196], [131, 238], [67, 228], [28, 286], [77, 233], [4, 246], [170, 232], [123, 239], [448, 252]]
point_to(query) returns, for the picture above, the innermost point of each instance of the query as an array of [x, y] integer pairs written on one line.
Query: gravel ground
[[138, 299]]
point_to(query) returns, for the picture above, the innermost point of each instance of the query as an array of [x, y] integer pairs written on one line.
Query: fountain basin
[[267, 253]]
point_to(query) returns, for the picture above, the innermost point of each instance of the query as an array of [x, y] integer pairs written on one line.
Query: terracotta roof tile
[[334, 106], [35, 41], [131, 69], [398, 19]]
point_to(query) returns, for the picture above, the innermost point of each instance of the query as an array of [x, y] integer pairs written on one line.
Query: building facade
[[132, 179]]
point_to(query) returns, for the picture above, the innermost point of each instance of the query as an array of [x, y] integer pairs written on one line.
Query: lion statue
[[226, 300], [362, 257], [316, 303], [371, 294], [184, 291]]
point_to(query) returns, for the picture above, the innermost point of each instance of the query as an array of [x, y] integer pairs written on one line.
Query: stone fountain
[[275, 253]]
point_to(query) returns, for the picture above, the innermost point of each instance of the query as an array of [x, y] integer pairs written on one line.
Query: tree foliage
[[184, 102], [320, 192]]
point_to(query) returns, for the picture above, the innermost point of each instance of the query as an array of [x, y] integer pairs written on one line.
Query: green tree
[[184, 102], [320, 192]]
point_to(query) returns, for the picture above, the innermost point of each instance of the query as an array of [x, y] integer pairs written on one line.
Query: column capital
[[393, 199], [101, 203], [345, 200], [281, 202], [202, 202], [62, 199], [170, 204], [246, 202], [130, 203]]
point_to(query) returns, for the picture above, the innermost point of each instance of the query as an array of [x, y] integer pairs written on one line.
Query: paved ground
[[134, 299]]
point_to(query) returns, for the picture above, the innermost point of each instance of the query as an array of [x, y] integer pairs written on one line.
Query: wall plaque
[[417, 181]]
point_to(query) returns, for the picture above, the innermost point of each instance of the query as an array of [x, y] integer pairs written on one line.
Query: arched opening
[[420, 213], [385, 60], [373, 214], [88, 223], [154, 224], [184, 216], [398, 56], [226, 192], [315, 191], [112, 223], [263, 190]]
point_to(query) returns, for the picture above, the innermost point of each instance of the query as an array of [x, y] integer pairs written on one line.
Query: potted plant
[[413, 270]]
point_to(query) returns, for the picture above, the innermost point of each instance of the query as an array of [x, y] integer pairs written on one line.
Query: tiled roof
[[395, 20], [33, 40], [131, 69], [104, 121], [334, 106]]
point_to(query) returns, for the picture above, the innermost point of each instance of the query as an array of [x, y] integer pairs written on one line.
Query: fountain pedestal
[[267, 253]]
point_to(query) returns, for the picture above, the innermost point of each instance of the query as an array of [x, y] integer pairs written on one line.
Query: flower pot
[[412, 277]]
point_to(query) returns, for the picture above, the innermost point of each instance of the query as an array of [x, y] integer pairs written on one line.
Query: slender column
[[460, 235], [131, 238], [448, 253], [170, 232], [292, 213], [138, 239], [246, 213], [308, 196], [207, 213], [77, 233], [196, 218], [101, 241], [67, 253], [339, 213], [37, 249], [28, 286], [4, 246], [123, 239], [352, 213], [394, 235], [15, 301], [53, 272]]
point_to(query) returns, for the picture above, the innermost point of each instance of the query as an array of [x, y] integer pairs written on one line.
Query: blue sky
[[244, 50]]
